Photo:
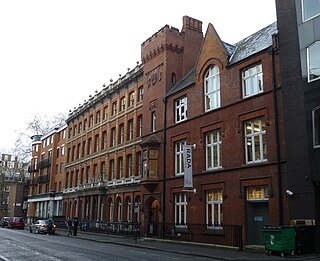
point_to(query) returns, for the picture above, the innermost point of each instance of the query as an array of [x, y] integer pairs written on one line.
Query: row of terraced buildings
[[119, 157]]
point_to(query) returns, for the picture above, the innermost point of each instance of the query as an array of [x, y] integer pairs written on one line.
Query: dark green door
[[257, 218]]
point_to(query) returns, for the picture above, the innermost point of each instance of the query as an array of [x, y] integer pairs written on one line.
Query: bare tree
[[38, 125]]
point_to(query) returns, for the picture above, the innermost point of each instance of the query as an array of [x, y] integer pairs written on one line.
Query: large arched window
[[212, 88], [313, 52]]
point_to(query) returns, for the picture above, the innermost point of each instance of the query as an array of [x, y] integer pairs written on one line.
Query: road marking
[[3, 258]]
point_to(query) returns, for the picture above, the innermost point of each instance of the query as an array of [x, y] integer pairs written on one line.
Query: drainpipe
[[164, 168], [276, 120]]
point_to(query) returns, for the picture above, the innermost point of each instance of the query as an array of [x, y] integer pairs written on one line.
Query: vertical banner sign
[[187, 157]]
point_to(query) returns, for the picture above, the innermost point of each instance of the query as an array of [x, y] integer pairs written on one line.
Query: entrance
[[154, 218], [257, 218]]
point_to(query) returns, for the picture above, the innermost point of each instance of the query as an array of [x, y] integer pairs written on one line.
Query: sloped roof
[[229, 47], [253, 43], [186, 81]]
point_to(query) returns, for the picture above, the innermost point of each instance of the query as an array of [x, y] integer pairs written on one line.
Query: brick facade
[[114, 173]]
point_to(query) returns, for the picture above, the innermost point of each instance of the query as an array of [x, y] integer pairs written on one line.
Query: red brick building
[[124, 150], [102, 172], [47, 174], [226, 103]]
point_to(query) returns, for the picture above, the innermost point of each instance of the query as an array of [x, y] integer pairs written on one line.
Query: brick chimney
[[190, 23]]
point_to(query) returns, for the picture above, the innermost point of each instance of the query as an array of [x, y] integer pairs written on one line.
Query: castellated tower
[[168, 56]]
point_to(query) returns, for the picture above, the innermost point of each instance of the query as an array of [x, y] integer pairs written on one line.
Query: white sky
[[55, 53]]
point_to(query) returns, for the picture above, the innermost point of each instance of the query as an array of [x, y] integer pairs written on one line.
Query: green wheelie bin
[[279, 239]]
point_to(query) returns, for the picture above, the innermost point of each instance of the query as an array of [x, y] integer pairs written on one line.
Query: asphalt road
[[22, 245]]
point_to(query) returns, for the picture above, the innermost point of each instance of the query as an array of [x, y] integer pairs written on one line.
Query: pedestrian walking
[[69, 226]]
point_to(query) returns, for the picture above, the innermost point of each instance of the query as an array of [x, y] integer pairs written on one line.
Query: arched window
[[110, 203], [129, 209], [137, 209], [212, 88], [173, 78], [119, 209]]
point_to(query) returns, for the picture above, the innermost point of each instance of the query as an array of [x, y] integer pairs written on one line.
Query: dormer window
[[252, 80]]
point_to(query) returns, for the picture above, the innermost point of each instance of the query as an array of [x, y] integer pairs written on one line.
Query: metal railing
[[119, 228], [224, 235]]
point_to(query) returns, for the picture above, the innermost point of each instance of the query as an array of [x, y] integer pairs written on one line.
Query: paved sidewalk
[[189, 248]]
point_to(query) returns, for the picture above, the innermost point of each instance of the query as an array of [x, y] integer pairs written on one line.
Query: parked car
[[16, 222], [45, 226], [4, 221]]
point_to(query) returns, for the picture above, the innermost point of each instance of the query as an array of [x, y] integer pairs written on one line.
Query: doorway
[[154, 217], [257, 218]]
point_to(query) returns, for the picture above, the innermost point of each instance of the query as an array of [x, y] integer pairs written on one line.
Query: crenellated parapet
[[169, 39], [163, 47]]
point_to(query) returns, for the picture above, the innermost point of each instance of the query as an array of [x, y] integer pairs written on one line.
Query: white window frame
[[120, 167], [153, 121], [114, 108], [137, 212], [178, 157], [140, 167], [141, 92], [250, 138], [130, 129], [311, 56], [129, 210], [119, 210], [180, 217], [216, 205], [140, 125], [181, 109], [304, 18], [111, 207], [121, 133], [131, 99], [316, 127], [122, 103], [212, 89], [112, 169], [113, 137], [263, 192], [213, 149], [130, 166], [252, 80]]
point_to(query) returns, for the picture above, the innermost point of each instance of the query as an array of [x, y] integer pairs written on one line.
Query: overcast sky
[[55, 53]]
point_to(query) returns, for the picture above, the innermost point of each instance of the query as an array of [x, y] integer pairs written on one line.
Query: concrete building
[[299, 45]]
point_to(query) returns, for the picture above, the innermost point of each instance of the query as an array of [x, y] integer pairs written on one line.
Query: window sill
[[214, 231], [181, 229]]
